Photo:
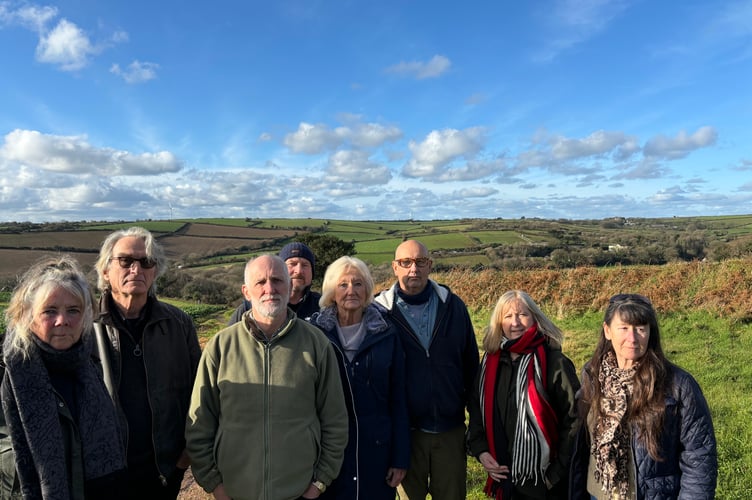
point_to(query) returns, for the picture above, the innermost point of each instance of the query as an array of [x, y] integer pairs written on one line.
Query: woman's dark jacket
[[562, 386], [687, 444], [374, 385], [109, 487]]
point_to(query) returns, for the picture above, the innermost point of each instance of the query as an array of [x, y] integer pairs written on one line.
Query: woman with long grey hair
[[57, 413]]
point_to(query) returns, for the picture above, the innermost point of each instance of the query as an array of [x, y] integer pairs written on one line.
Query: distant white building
[[617, 248]]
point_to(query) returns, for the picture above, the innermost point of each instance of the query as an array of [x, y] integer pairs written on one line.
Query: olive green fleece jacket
[[267, 417]]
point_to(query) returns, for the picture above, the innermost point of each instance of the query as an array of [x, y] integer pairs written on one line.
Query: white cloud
[[311, 139], [31, 17], [471, 171], [475, 192], [645, 169], [572, 22], [371, 135], [137, 71], [120, 36], [743, 165], [610, 149], [66, 46], [598, 143], [476, 99], [317, 138], [355, 167], [439, 148], [681, 145], [435, 67], [73, 154]]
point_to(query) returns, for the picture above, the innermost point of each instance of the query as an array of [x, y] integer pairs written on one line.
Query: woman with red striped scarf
[[523, 415]]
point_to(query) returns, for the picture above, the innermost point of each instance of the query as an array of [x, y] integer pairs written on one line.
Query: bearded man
[[267, 417]]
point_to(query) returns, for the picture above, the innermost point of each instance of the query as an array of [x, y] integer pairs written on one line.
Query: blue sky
[[577, 109]]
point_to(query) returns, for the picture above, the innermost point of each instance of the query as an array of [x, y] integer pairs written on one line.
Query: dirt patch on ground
[[192, 491]]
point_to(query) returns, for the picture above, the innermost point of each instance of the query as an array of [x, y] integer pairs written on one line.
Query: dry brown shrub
[[722, 288]]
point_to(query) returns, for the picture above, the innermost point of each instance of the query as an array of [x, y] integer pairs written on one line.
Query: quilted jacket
[[690, 466]]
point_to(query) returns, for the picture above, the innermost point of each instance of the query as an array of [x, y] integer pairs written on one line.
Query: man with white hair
[[267, 418], [301, 264]]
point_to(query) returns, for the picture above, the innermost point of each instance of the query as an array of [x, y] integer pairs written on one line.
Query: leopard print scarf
[[611, 441]]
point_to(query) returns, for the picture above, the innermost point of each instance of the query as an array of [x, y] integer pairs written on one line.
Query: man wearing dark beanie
[[301, 264], [441, 360]]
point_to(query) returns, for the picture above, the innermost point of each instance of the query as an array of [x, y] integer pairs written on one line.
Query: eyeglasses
[[630, 297], [127, 261], [419, 262]]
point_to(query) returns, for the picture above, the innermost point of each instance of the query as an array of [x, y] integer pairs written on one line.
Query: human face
[[414, 278], [350, 293], [268, 288], [516, 318], [301, 273], [58, 321], [630, 342], [133, 281]]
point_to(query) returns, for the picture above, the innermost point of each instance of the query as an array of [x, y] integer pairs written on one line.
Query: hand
[[311, 492], [219, 493], [395, 476], [549, 485], [493, 469], [184, 461]]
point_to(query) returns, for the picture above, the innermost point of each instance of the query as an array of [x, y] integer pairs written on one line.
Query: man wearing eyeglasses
[[149, 352], [442, 359]]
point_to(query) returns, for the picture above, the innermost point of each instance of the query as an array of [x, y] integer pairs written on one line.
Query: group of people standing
[[345, 395], [95, 398], [366, 395], [636, 427]]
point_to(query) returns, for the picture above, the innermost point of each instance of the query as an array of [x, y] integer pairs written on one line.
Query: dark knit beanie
[[297, 249]]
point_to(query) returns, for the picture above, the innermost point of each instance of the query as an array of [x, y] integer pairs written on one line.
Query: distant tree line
[[648, 246]]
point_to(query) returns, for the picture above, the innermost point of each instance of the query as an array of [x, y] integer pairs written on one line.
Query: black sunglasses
[[127, 261], [630, 297]]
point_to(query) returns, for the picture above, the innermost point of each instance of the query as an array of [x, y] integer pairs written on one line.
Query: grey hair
[[36, 285], [154, 251], [335, 271]]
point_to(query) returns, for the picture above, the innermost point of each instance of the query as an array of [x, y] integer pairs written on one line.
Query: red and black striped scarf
[[536, 419]]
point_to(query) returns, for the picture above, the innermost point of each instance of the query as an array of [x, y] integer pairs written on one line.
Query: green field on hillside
[[706, 329]]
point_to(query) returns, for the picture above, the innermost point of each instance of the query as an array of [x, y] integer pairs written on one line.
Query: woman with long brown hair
[[646, 428]]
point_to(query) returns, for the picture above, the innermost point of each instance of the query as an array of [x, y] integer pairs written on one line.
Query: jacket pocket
[[9, 485]]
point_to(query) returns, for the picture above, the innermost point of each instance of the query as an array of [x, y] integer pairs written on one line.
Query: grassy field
[[705, 308], [715, 350], [706, 329], [712, 348]]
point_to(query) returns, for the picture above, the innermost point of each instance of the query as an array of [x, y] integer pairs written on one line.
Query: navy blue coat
[[440, 379], [690, 466], [374, 385]]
